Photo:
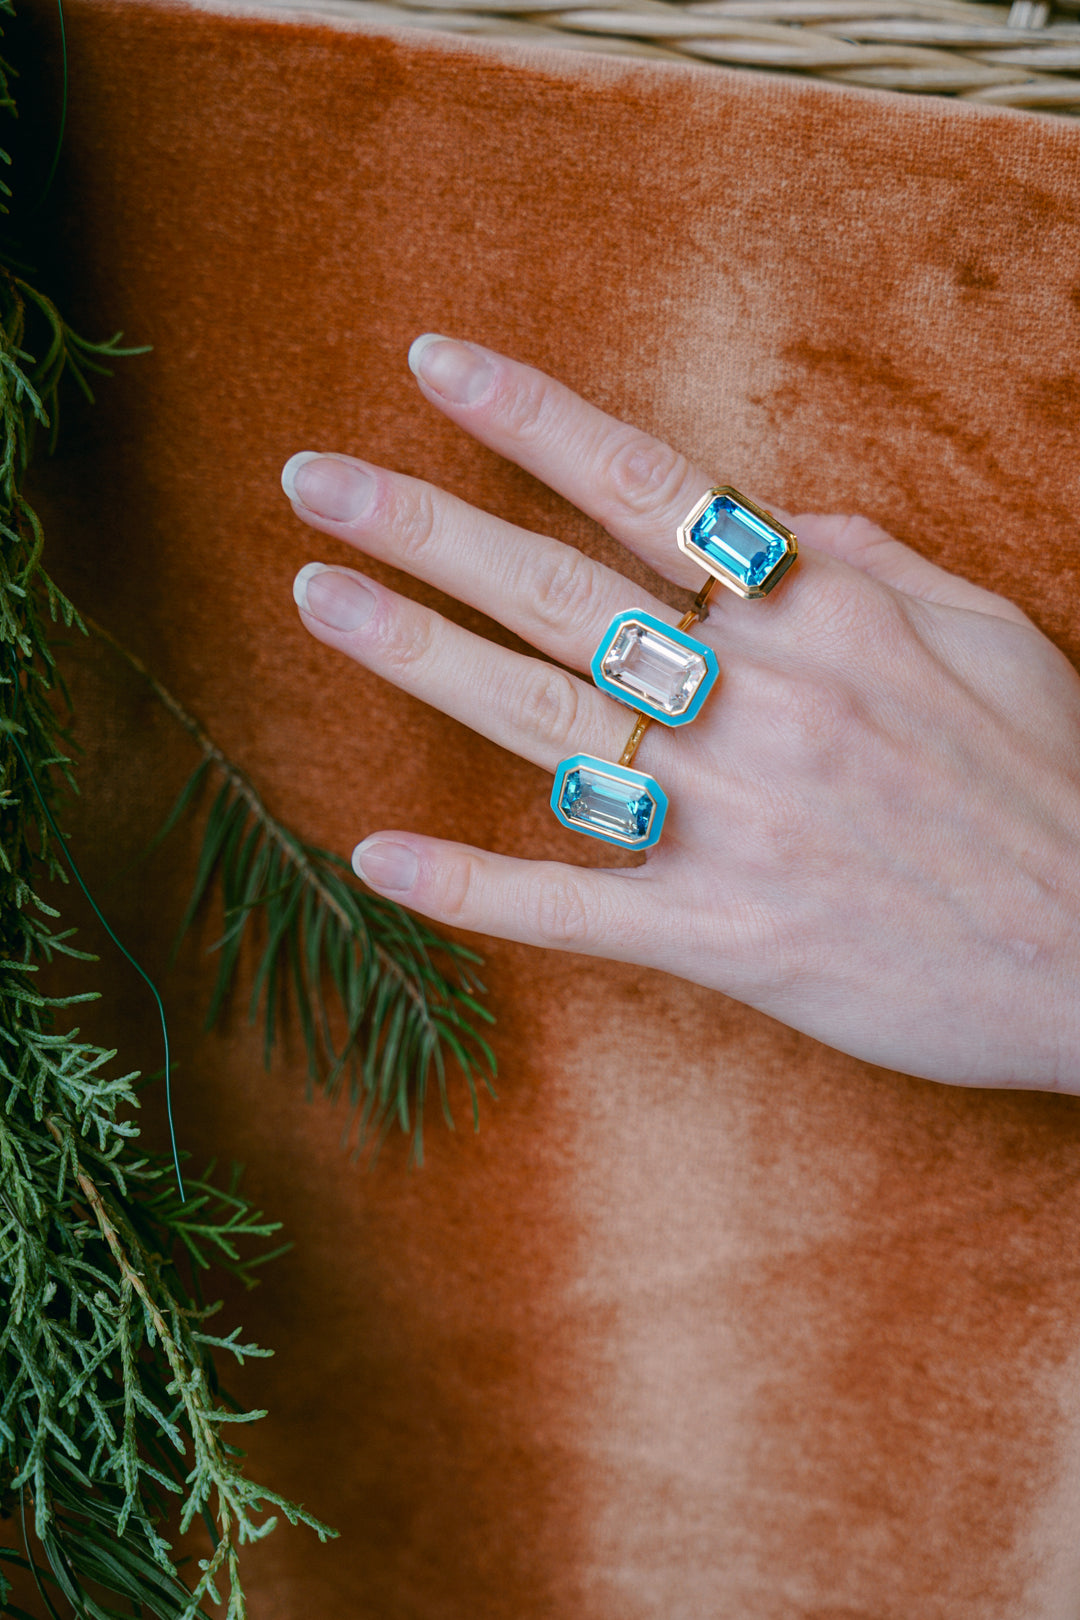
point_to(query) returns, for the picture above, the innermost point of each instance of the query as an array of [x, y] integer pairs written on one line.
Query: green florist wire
[[77, 875]]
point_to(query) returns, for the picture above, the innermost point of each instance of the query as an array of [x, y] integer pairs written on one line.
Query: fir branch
[[382, 999]]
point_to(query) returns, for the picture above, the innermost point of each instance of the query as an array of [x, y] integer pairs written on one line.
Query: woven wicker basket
[[1023, 55]]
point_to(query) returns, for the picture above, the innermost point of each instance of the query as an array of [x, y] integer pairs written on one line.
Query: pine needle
[[381, 999]]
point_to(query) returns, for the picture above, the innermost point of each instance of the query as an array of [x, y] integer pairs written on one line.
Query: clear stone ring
[[664, 673]]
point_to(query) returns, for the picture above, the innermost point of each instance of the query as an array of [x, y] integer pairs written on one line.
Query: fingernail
[[452, 369], [391, 867], [332, 596], [332, 488]]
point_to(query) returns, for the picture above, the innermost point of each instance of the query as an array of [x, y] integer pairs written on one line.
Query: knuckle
[[851, 611], [819, 721], [527, 409], [761, 933], [564, 590], [835, 606], [557, 913], [644, 474], [414, 519], [458, 882], [549, 705], [772, 824], [406, 643], [784, 834]]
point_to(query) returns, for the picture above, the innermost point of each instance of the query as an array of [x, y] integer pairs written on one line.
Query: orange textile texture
[[708, 1320]]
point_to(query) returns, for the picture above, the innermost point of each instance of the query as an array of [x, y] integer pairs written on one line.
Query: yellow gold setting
[[737, 542]]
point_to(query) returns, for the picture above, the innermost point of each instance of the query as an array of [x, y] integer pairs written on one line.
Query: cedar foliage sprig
[[382, 1000], [110, 1406]]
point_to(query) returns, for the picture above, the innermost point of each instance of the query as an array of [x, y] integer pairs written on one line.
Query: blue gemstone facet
[[602, 803], [612, 802], [738, 543]]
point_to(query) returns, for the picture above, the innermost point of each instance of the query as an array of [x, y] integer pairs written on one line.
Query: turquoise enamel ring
[[610, 802], [654, 667], [663, 673]]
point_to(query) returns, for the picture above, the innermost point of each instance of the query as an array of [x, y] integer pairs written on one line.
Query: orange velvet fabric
[[708, 1320]]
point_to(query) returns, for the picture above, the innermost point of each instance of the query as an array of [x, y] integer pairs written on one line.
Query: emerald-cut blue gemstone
[[612, 802], [613, 806], [739, 544]]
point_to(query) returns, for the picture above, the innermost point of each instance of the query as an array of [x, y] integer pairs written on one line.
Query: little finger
[[568, 908], [866, 546]]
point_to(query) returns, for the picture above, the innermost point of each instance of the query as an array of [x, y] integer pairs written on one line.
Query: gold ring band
[[641, 726], [698, 611]]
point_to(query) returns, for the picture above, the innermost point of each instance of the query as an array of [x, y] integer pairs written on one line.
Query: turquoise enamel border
[[681, 639], [621, 773]]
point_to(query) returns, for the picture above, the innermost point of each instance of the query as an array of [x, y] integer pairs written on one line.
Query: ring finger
[[526, 705]]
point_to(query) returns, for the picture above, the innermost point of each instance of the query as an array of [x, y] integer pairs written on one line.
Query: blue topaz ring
[[738, 543], [609, 802]]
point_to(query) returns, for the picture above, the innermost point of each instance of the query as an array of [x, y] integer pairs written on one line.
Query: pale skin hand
[[874, 831]]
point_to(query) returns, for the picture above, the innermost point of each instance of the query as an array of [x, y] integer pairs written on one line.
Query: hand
[[874, 831]]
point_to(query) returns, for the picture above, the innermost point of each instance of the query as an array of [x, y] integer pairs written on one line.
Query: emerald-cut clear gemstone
[[606, 804], [653, 668]]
